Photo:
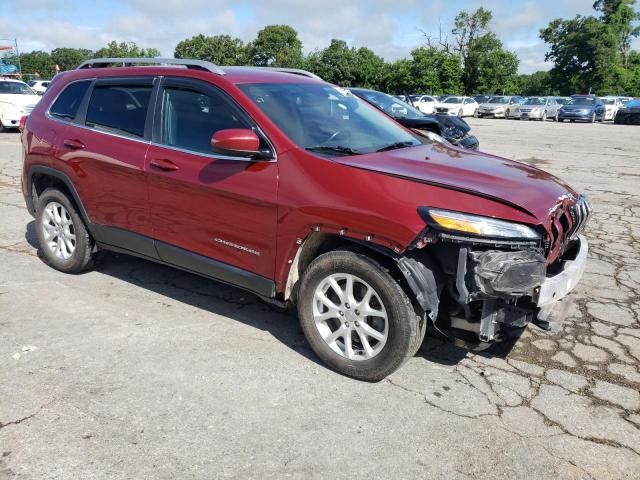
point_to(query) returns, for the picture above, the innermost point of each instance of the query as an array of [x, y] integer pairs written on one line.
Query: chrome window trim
[[215, 156]]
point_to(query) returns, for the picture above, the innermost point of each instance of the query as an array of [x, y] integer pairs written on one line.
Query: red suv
[[298, 191]]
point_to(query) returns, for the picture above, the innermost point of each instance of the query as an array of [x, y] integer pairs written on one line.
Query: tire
[[404, 325], [556, 118], [544, 116], [460, 113], [593, 118], [507, 114], [572, 121], [62, 234]]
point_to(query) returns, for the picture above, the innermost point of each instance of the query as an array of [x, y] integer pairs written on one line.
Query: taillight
[[23, 123]]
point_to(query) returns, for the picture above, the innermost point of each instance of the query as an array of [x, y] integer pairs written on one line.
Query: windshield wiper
[[337, 149], [396, 145]]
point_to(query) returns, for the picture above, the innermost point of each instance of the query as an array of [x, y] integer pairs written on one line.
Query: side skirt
[[124, 241]]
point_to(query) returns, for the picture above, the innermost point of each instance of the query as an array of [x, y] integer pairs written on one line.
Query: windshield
[[390, 105], [534, 101], [17, 88], [326, 119], [453, 100], [498, 100], [581, 101]]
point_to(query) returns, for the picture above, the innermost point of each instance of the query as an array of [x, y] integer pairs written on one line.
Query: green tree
[[593, 53], [37, 63], [496, 67], [397, 77], [336, 64], [126, 49], [487, 66], [276, 46], [538, 83], [69, 58], [219, 49], [619, 16], [436, 70], [369, 68]]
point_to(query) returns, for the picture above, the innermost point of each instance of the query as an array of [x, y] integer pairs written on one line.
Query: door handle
[[73, 144], [164, 164]]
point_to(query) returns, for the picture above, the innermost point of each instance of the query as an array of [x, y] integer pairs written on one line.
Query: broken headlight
[[477, 225]]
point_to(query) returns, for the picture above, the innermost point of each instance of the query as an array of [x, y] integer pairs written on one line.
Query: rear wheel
[[356, 316], [62, 234]]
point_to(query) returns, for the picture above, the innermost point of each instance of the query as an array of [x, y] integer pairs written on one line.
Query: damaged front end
[[483, 276]]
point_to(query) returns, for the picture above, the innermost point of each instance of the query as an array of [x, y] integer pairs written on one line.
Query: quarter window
[[119, 108], [190, 117], [67, 104]]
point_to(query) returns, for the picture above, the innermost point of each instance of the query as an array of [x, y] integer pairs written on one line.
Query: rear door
[[106, 148], [217, 207]]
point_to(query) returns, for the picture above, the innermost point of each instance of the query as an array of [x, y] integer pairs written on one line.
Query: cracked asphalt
[[134, 370]]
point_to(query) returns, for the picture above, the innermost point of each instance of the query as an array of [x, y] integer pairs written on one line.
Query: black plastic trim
[[210, 268], [41, 169], [125, 240]]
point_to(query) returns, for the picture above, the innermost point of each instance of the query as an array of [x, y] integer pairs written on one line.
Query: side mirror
[[237, 142]]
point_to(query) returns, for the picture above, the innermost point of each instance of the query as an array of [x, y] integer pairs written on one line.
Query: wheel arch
[[42, 177], [416, 272]]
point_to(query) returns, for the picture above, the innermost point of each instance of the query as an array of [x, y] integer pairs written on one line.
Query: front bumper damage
[[483, 288]]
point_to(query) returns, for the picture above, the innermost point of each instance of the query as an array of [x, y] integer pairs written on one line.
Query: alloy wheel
[[59, 231], [350, 316]]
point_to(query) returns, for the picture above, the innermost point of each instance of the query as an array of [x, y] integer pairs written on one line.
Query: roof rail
[[294, 71], [186, 62]]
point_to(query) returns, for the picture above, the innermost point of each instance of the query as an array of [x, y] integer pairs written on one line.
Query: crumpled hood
[[517, 184], [20, 100]]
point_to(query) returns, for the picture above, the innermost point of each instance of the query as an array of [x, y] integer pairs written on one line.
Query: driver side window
[[190, 117]]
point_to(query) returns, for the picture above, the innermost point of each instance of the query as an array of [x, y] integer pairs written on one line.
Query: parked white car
[[612, 105], [39, 86], [16, 100], [457, 106], [424, 103]]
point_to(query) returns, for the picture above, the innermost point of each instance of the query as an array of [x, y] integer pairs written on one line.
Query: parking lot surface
[[135, 370]]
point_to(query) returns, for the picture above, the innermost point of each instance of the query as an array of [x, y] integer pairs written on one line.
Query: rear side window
[[119, 108], [67, 104]]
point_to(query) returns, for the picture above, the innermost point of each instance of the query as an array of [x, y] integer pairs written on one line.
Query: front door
[[206, 206]]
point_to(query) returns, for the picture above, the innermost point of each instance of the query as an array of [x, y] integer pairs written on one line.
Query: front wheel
[[544, 116], [557, 117], [356, 316], [507, 114], [593, 118], [460, 113]]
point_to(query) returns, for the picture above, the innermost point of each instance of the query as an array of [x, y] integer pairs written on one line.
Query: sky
[[391, 28]]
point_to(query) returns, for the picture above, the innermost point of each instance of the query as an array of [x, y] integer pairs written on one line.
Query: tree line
[[589, 53]]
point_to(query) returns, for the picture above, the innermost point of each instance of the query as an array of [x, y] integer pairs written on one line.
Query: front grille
[[580, 213], [568, 221]]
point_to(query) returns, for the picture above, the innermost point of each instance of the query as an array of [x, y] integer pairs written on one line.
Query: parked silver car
[[538, 108], [499, 106]]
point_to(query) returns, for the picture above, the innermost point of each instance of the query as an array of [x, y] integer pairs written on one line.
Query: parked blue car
[[583, 108]]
